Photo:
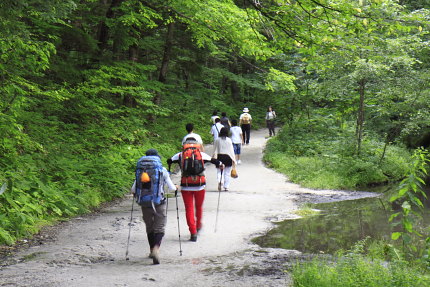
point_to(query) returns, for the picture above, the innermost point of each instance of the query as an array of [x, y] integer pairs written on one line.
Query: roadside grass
[[357, 271], [322, 160], [369, 263]]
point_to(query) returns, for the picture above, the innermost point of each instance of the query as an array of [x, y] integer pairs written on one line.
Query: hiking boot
[[193, 237], [155, 256]]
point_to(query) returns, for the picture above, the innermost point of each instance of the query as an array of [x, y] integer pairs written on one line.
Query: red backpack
[[192, 165]]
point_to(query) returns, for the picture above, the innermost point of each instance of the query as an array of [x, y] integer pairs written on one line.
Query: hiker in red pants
[[193, 182]]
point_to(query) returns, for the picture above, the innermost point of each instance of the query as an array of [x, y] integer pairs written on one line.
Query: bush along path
[[91, 250]]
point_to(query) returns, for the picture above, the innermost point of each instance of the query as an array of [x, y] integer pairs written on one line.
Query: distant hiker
[[223, 151], [193, 183], [191, 135], [148, 190], [270, 120], [214, 116], [245, 120], [225, 121], [216, 127], [237, 139]]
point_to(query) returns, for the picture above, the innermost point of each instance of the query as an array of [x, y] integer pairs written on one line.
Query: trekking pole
[[167, 204], [179, 232], [129, 230], [177, 217], [167, 198], [219, 196]]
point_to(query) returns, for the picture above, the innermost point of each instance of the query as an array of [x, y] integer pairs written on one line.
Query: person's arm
[[231, 151], [133, 188], [173, 159], [168, 181], [208, 158], [216, 147]]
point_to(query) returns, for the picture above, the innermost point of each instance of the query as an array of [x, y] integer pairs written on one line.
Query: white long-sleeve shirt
[[224, 146], [216, 129]]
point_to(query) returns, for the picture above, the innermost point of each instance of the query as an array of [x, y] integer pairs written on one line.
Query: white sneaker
[[239, 162]]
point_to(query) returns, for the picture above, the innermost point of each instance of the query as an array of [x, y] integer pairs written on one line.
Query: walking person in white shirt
[[270, 120], [237, 139], [216, 128], [191, 134], [223, 151]]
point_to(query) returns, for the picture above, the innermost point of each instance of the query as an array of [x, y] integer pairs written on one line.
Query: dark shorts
[[225, 159], [237, 148]]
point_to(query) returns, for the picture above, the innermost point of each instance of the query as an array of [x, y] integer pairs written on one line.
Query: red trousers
[[193, 199]]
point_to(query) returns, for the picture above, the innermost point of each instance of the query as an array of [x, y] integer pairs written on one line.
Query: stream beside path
[[90, 250]]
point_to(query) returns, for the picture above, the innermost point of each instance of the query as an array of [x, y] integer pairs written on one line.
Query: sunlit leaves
[[213, 21], [279, 81]]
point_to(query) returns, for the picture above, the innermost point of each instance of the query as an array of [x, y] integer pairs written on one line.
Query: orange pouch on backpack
[[197, 180]]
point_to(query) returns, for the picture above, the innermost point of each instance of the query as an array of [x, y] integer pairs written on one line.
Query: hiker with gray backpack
[[148, 191]]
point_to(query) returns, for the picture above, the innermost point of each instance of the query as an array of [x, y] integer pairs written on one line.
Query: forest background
[[87, 86]]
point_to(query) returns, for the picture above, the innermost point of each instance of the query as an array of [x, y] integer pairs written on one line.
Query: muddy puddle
[[336, 225]]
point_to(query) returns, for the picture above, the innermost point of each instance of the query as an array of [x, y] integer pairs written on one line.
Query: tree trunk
[[162, 76], [360, 116], [104, 29], [224, 85], [186, 76], [234, 87], [133, 55]]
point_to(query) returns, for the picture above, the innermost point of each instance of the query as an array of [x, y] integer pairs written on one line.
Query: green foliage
[[363, 265], [355, 271], [411, 194], [325, 158], [82, 96]]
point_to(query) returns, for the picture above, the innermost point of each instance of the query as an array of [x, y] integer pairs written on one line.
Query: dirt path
[[90, 251]]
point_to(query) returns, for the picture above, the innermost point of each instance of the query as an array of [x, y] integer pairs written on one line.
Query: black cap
[[152, 152]]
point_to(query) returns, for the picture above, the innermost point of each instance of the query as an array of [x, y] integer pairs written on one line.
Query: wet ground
[[335, 226], [90, 250]]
